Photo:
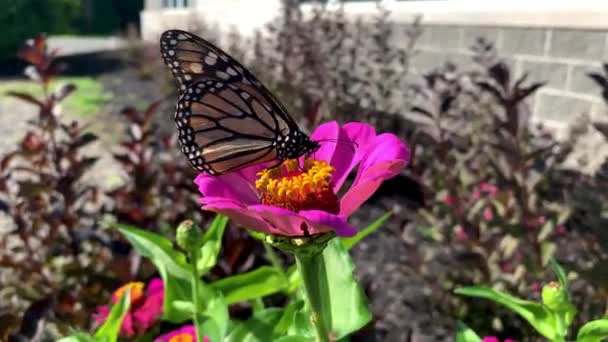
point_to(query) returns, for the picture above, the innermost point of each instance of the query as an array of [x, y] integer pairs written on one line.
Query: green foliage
[[24, 19], [551, 319], [109, 330], [258, 283], [594, 331], [539, 316], [372, 227], [465, 334], [212, 242], [86, 102], [349, 306]]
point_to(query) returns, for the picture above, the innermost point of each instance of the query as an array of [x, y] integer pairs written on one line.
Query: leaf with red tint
[[34, 51], [25, 97], [32, 142], [150, 111], [84, 140], [64, 91]]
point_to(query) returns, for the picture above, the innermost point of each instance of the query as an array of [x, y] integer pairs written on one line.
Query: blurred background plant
[[489, 198]]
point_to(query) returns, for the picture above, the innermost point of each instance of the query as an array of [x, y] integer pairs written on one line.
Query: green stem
[[273, 257], [195, 296], [312, 270]]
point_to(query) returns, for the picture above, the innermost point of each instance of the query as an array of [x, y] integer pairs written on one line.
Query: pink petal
[[155, 286], [146, 315], [361, 134], [101, 315], [490, 339], [338, 153], [236, 212], [286, 222], [127, 328], [233, 185], [385, 157], [328, 130], [186, 329], [321, 219]]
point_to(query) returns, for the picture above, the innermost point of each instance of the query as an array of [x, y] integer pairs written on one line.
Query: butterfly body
[[226, 118]]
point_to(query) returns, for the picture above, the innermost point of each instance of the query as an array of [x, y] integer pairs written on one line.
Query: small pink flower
[[495, 339], [535, 287], [560, 230], [145, 310], [489, 189], [449, 200], [488, 215], [476, 195], [300, 197], [460, 234], [187, 333]]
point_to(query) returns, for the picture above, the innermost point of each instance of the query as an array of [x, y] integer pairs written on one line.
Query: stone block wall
[[560, 57]]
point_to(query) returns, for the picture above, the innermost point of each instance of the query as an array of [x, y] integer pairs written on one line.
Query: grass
[[85, 102]]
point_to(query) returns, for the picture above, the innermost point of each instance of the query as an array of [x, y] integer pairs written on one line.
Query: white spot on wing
[[222, 75]]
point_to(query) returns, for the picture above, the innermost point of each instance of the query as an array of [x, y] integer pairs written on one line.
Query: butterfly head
[[295, 145]]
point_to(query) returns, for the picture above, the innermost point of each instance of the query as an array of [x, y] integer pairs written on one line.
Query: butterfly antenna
[[353, 145]]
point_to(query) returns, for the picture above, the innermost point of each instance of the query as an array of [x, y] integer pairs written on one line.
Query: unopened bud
[[189, 237], [554, 296]]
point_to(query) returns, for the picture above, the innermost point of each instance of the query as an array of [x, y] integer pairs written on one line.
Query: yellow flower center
[[183, 337], [136, 291], [299, 188]]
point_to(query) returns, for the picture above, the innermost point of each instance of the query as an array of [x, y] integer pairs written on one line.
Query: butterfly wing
[[226, 118], [223, 126], [192, 59]]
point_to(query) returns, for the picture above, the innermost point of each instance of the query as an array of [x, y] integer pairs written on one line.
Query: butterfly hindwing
[[223, 127]]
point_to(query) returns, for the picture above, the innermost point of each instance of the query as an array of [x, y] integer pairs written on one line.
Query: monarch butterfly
[[226, 118]]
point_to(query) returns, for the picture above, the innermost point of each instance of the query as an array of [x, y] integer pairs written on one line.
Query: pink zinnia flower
[[495, 339], [145, 310], [488, 215], [449, 200], [300, 197], [187, 333]]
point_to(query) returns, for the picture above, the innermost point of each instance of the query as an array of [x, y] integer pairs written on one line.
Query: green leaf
[[567, 309], [212, 244], [294, 280], [261, 282], [288, 318], [78, 337], [293, 339], [560, 274], [351, 241], [171, 265], [593, 331], [258, 328], [349, 307], [215, 315], [540, 317], [110, 329], [465, 334]]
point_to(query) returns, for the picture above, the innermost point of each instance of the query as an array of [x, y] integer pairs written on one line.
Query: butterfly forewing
[[226, 118]]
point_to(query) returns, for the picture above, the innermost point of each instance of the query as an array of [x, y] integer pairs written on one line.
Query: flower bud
[[554, 296], [189, 237], [32, 142]]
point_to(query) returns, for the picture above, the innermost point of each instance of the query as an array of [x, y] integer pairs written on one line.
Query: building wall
[[559, 56], [557, 41]]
